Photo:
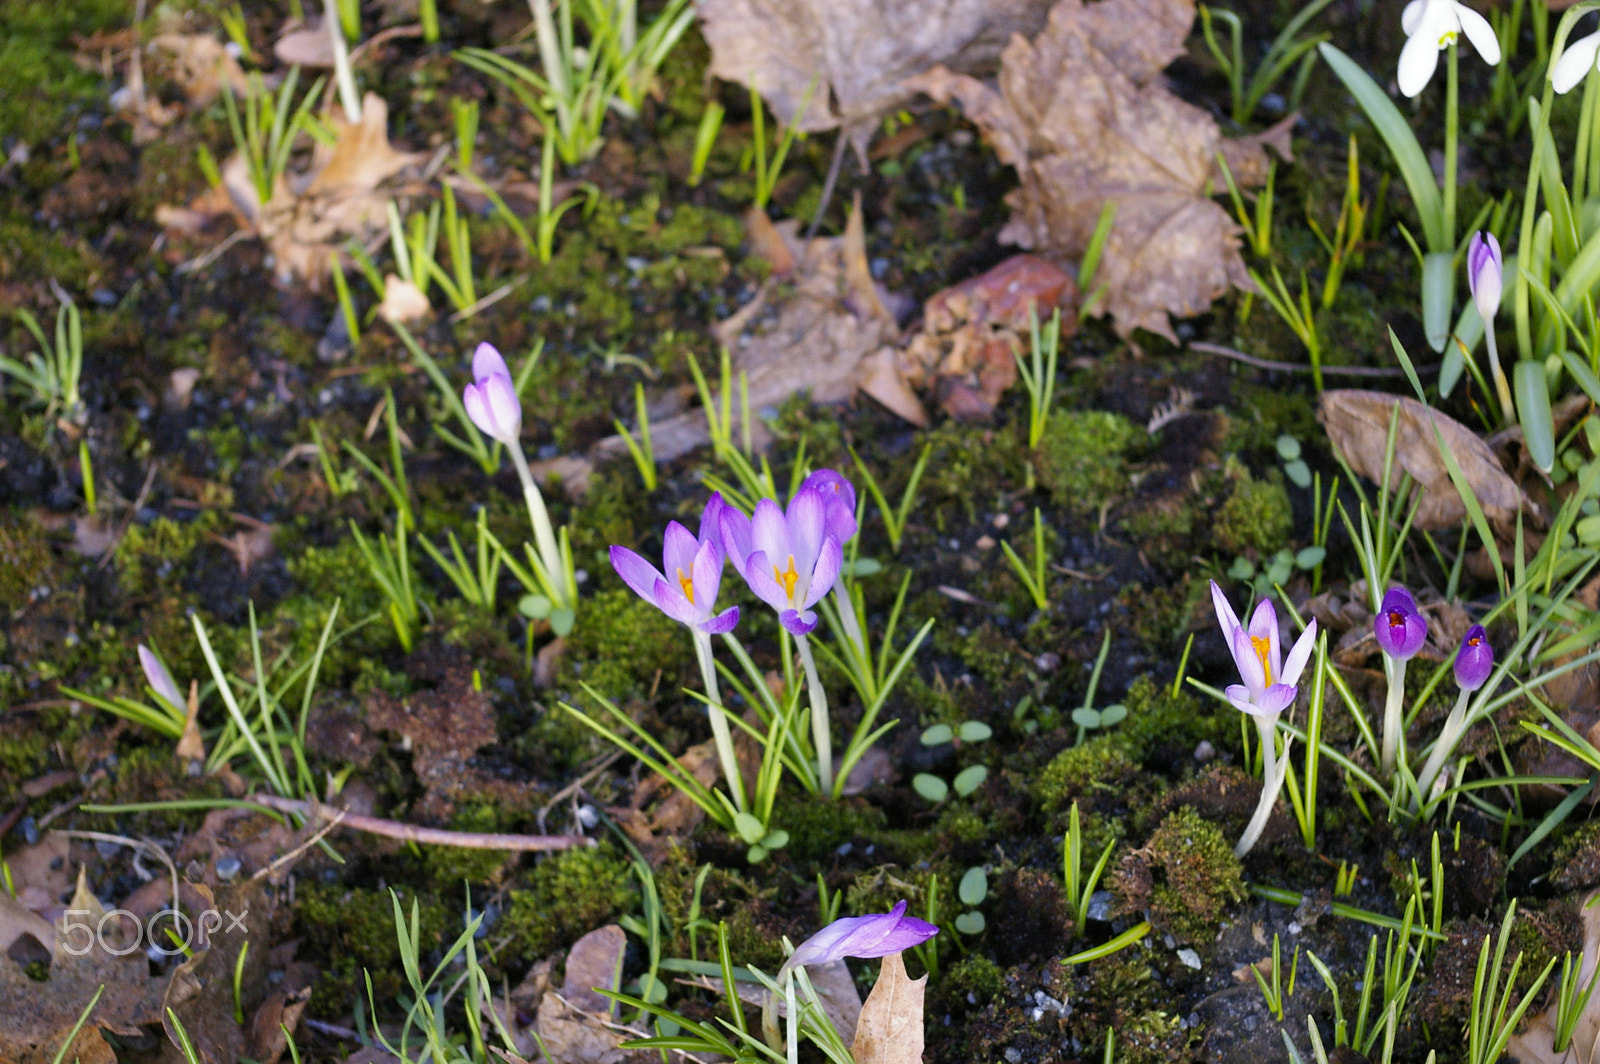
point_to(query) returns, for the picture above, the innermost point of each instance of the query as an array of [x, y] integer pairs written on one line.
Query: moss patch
[[567, 896], [1082, 457]]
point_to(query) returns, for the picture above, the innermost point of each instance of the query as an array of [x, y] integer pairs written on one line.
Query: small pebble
[[228, 868], [985, 543], [1013, 1055], [107, 850], [1002, 520], [1190, 958], [30, 830], [1204, 751], [1049, 661]]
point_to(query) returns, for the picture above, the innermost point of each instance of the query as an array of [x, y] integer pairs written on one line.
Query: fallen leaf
[[568, 1035], [812, 334], [1535, 1044], [201, 990], [306, 46], [200, 64], [890, 1028], [966, 351], [403, 302], [595, 963], [1082, 115], [854, 56], [1358, 427]]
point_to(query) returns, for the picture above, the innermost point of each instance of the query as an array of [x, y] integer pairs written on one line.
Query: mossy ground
[[1138, 519]]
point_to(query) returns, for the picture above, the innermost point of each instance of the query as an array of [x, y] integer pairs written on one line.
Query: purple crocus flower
[[1269, 680], [1398, 627], [874, 935], [789, 558], [492, 401], [840, 495], [160, 679], [690, 597], [1484, 265], [1474, 660]]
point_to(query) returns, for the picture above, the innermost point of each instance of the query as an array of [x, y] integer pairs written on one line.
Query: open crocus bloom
[[1577, 59], [695, 565], [1433, 25], [491, 400], [1269, 680], [789, 559], [874, 935]]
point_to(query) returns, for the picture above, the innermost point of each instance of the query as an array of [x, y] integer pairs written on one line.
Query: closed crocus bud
[[160, 679], [875, 935], [1474, 660], [491, 401], [1484, 266], [1398, 627]]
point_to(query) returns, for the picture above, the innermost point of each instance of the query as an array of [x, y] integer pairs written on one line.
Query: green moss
[[1256, 519], [148, 556], [40, 85], [973, 980], [959, 823], [968, 467], [356, 932], [622, 643], [449, 866], [1261, 415], [880, 889], [1082, 458], [567, 896], [25, 562], [1195, 875], [31, 250], [1101, 762], [1160, 721], [817, 829]]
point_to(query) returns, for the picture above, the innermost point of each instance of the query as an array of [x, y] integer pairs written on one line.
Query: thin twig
[[827, 187], [1300, 367], [393, 829], [294, 854], [578, 784]]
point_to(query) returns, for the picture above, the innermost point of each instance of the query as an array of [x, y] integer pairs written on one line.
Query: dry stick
[[1298, 367], [393, 829], [827, 188], [294, 854]]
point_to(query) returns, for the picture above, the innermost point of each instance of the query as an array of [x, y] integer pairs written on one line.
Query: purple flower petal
[[807, 524], [1475, 659], [706, 577], [669, 598], [829, 561], [160, 679], [769, 533], [758, 574], [832, 485], [723, 622], [678, 551], [875, 935], [637, 573], [1276, 699], [1399, 629], [798, 622], [486, 362], [734, 530], [1227, 620], [1299, 654], [1251, 671]]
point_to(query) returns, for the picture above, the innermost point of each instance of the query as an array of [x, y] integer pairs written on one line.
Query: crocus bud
[[492, 401], [840, 495], [1484, 266], [1474, 660], [160, 679], [1398, 627], [874, 935]]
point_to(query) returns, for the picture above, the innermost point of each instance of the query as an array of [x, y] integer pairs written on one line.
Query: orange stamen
[[787, 578], [1263, 649], [687, 584]]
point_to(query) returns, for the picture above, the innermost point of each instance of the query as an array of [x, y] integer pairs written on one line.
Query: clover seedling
[[1294, 467], [969, 779], [1086, 717], [973, 889]]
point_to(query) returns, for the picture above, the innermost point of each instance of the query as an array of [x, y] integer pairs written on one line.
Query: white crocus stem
[[342, 75], [1501, 387], [821, 736], [1393, 721], [1443, 747], [1272, 777], [852, 628], [720, 732], [544, 535]]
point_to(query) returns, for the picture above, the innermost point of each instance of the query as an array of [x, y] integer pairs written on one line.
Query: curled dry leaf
[[889, 1030], [1358, 427], [307, 45], [1083, 116], [201, 990], [854, 56]]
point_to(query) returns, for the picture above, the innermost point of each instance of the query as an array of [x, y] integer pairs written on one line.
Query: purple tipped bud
[[160, 679], [875, 935], [1474, 660], [1398, 627], [1484, 265], [492, 401]]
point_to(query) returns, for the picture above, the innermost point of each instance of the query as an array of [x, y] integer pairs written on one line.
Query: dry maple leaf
[[889, 1030], [1358, 428], [854, 56], [1082, 114]]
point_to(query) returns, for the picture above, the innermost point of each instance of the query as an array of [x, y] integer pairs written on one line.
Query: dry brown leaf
[[568, 1035], [39, 1015], [1083, 116], [594, 963], [199, 63], [1358, 427], [305, 45], [201, 990], [403, 302], [890, 1028], [854, 55]]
